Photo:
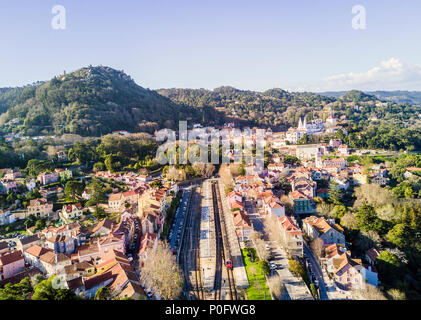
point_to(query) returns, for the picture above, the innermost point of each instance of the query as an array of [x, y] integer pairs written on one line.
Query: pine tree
[[405, 215]]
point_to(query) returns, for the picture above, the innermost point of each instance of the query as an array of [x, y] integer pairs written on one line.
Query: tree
[[348, 221], [156, 184], [314, 290], [389, 267], [18, 291], [400, 235], [260, 245], [324, 209], [291, 160], [296, 268], [303, 139], [371, 293], [99, 213], [109, 163], [161, 272], [172, 173], [40, 224], [99, 166], [272, 230], [409, 193], [264, 266], [52, 289], [335, 193], [103, 293], [366, 218], [317, 247], [339, 211], [276, 286], [396, 294], [373, 195], [74, 190]]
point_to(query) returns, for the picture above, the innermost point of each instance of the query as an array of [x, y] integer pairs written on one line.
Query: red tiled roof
[[37, 251], [10, 258]]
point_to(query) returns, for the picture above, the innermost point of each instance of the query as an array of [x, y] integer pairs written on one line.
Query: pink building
[[47, 178], [11, 264]]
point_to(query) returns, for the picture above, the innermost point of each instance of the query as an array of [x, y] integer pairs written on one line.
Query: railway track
[[190, 244], [223, 253]]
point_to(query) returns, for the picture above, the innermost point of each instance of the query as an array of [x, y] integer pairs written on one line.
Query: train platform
[[207, 238], [239, 271]]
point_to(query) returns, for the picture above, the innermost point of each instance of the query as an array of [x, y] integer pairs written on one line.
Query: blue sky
[[260, 44]]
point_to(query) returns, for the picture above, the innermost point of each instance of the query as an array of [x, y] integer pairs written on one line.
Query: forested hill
[[410, 97], [275, 108], [98, 100], [90, 101]]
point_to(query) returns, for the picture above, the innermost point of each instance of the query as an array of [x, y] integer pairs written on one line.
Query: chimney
[[56, 258]]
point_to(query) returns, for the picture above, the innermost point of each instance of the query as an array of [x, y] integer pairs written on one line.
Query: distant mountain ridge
[[93, 101], [411, 97]]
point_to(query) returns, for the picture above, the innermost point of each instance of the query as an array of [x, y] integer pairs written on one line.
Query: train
[[228, 264]]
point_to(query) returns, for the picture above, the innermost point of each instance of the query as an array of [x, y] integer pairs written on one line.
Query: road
[[254, 216], [295, 288], [317, 270]]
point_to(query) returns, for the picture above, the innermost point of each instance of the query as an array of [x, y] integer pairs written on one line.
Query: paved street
[[318, 273], [254, 216], [295, 288]]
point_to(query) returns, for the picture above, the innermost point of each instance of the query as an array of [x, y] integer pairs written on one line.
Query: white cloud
[[392, 74]]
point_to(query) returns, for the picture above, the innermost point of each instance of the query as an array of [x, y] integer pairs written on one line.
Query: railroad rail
[[190, 263], [223, 252]]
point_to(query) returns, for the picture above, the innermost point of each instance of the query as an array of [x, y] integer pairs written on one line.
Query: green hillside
[[90, 101]]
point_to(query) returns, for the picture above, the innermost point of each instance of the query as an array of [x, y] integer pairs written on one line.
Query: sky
[[255, 45]]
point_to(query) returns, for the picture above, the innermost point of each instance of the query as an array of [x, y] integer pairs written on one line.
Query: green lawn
[[257, 280]]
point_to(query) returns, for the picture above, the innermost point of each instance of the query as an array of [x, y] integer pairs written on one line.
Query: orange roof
[[289, 225], [321, 224], [333, 250], [37, 251], [298, 195], [114, 197]]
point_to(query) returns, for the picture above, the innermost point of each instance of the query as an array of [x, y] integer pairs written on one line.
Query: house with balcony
[[72, 211], [40, 207]]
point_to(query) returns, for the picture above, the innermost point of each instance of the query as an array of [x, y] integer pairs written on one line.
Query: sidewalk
[[295, 287]]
